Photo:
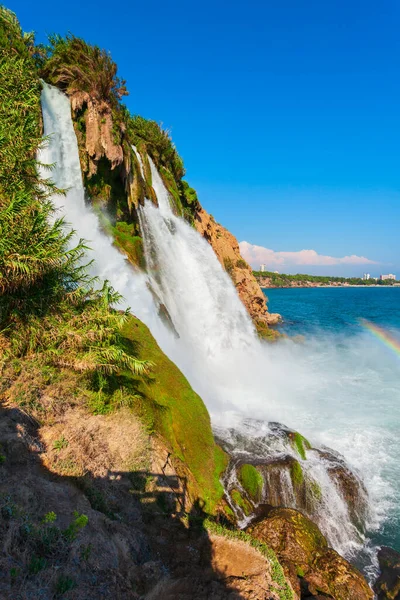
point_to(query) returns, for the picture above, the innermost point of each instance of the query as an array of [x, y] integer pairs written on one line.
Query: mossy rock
[[292, 536], [132, 244], [299, 443], [301, 548], [252, 481], [241, 502], [331, 574], [387, 586], [171, 409], [296, 474]]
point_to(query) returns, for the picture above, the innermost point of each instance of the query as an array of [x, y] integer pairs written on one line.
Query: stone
[[387, 586], [307, 560]]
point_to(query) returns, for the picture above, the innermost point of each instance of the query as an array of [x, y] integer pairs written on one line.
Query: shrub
[[241, 264], [75, 66]]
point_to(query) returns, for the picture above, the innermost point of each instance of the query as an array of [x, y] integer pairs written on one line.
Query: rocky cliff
[[112, 174], [109, 471], [226, 247]]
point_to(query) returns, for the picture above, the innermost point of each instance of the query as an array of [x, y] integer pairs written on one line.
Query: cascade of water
[[216, 346], [109, 264], [140, 161]]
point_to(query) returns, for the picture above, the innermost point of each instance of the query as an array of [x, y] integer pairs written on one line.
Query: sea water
[[357, 385]]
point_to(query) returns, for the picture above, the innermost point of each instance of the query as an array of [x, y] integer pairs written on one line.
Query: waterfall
[[109, 264], [216, 346]]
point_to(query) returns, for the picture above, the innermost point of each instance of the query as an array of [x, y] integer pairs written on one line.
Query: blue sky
[[286, 114]]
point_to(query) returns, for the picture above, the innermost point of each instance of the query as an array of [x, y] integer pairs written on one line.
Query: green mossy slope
[[175, 412]]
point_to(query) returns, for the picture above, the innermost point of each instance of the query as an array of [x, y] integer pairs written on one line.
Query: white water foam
[[326, 393]]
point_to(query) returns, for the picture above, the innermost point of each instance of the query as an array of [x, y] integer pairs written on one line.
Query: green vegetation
[[315, 489], [300, 444], [284, 590], [252, 481], [73, 65], [296, 474], [282, 280], [229, 267], [79, 522], [125, 238], [241, 264], [57, 331], [167, 404], [241, 502]]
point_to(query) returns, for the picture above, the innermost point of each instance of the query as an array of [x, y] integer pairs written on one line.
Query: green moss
[[265, 332], [221, 460], [252, 481], [284, 590], [178, 414], [125, 238], [315, 490], [171, 186], [241, 502], [300, 444], [229, 512], [296, 474]]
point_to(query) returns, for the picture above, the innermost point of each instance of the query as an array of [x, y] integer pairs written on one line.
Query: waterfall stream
[[216, 346]]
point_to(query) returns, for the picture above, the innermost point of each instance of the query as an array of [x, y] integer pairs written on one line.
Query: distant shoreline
[[294, 287]]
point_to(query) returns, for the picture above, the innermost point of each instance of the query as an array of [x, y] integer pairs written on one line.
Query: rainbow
[[384, 336]]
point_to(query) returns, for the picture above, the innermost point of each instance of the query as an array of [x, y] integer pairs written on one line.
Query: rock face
[[311, 566], [387, 586], [226, 247], [350, 485], [99, 138]]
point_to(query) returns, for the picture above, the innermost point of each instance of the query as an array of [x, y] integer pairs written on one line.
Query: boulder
[[350, 486], [292, 536], [387, 586], [308, 562]]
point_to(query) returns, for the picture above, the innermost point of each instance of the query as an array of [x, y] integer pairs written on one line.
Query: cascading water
[[110, 264], [216, 345]]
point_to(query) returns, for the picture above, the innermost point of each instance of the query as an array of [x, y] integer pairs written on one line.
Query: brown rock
[[387, 586], [99, 139], [226, 247], [333, 575], [292, 536], [302, 549]]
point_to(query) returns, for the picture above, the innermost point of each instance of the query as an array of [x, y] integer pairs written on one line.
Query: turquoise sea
[[361, 400], [336, 310]]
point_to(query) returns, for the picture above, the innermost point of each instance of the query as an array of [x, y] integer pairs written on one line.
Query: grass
[[252, 481]]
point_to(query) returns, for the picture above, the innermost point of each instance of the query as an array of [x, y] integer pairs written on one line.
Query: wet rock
[[350, 486], [292, 536], [333, 575], [387, 586], [308, 562]]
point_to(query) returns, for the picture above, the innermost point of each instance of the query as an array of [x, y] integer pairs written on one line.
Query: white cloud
[[257, 255]]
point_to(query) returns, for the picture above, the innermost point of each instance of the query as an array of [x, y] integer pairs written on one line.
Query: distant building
[[277, 272], [389, 276], [366, 276], [262, 268]]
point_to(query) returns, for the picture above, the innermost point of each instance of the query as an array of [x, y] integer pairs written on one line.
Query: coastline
[[281, 287]]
